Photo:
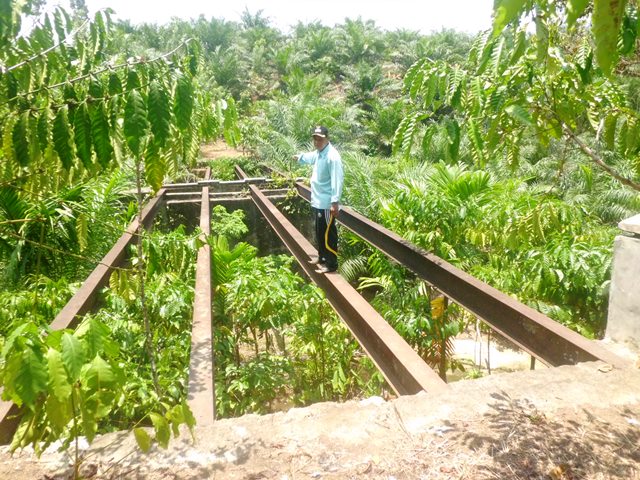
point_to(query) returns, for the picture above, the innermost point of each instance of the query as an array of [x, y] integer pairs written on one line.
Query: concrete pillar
[[623, 321]]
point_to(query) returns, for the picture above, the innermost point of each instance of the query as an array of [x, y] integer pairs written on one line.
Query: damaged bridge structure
[[405, 371]]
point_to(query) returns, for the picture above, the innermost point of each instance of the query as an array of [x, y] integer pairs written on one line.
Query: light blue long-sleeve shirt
[[327, 177]]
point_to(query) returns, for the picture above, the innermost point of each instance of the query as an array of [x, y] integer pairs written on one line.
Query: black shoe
[[316, 261], [326, 269]]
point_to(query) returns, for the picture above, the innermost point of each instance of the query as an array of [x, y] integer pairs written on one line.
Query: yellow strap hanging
[[326, 236]]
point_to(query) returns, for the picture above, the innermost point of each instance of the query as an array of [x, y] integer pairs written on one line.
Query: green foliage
[[496, 100], [505, 12], [183, 102], [159, 112], [74, 106], [40, 303], [62, 138], [231, 130], [519, 241], [305, 354], [229, 225], [606, 19], [135, 121], [66, 383]]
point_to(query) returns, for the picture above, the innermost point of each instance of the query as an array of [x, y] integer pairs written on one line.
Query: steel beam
[[85, 297], [535, 333], [403, 368], [201, 396]]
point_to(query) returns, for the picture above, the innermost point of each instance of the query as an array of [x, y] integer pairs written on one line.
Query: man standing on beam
[[326, 190]]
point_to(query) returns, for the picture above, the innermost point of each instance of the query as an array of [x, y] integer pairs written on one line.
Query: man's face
[[319, 142]]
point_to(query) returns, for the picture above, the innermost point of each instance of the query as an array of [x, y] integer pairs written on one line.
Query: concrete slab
[[623, 320], [631, 225], [381, 439]]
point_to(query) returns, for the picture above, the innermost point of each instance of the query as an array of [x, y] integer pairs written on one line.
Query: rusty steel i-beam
[[403, 368], [201, 391], [535, 333]]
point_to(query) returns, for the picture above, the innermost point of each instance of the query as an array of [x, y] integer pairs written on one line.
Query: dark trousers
[[326, 237]]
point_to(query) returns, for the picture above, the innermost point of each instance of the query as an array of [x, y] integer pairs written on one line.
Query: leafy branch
[[44, 52], [56, 250], [111, 68], [598, 160]]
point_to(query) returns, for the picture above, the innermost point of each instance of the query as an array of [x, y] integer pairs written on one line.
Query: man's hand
[[335, 208]]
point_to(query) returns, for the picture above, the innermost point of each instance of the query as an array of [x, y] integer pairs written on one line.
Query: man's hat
[[320, 131]]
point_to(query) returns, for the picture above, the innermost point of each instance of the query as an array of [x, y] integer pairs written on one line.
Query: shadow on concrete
[[184, 459], [524, 443]]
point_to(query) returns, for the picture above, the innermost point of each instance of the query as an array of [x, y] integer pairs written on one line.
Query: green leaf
[[73, 355], [519, 47], [609, 133], [82, 230], [62, 138], [7, 137], [175, 416], [100, 389], [20, 141], [24, 433], [143, 439], [19, 331], [154, 167], [575, 9], [82, 135], [403, 137], [183, 102], [159, 112], [99, 375], [605, 25], [542, 37], [161, 426], [96, 90], [115, 85], [88, 414], [519, 113], [59, 412], [496, 56], [506, 11], [231, 131], [135, 121], [453, 137], [455, 82], [133, 80], [189, 419], [43, 130], [31, 378], [629, 35], [12, 87], [58, 382], [193, 57], [476, 141], [71, 99], [100, 136], [96, 336]]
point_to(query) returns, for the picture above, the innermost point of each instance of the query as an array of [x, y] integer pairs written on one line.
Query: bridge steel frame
[[535, 333], [406, 372]]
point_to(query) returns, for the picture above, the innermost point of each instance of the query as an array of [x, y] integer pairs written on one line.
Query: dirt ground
[[218, 149], [564, 423]]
